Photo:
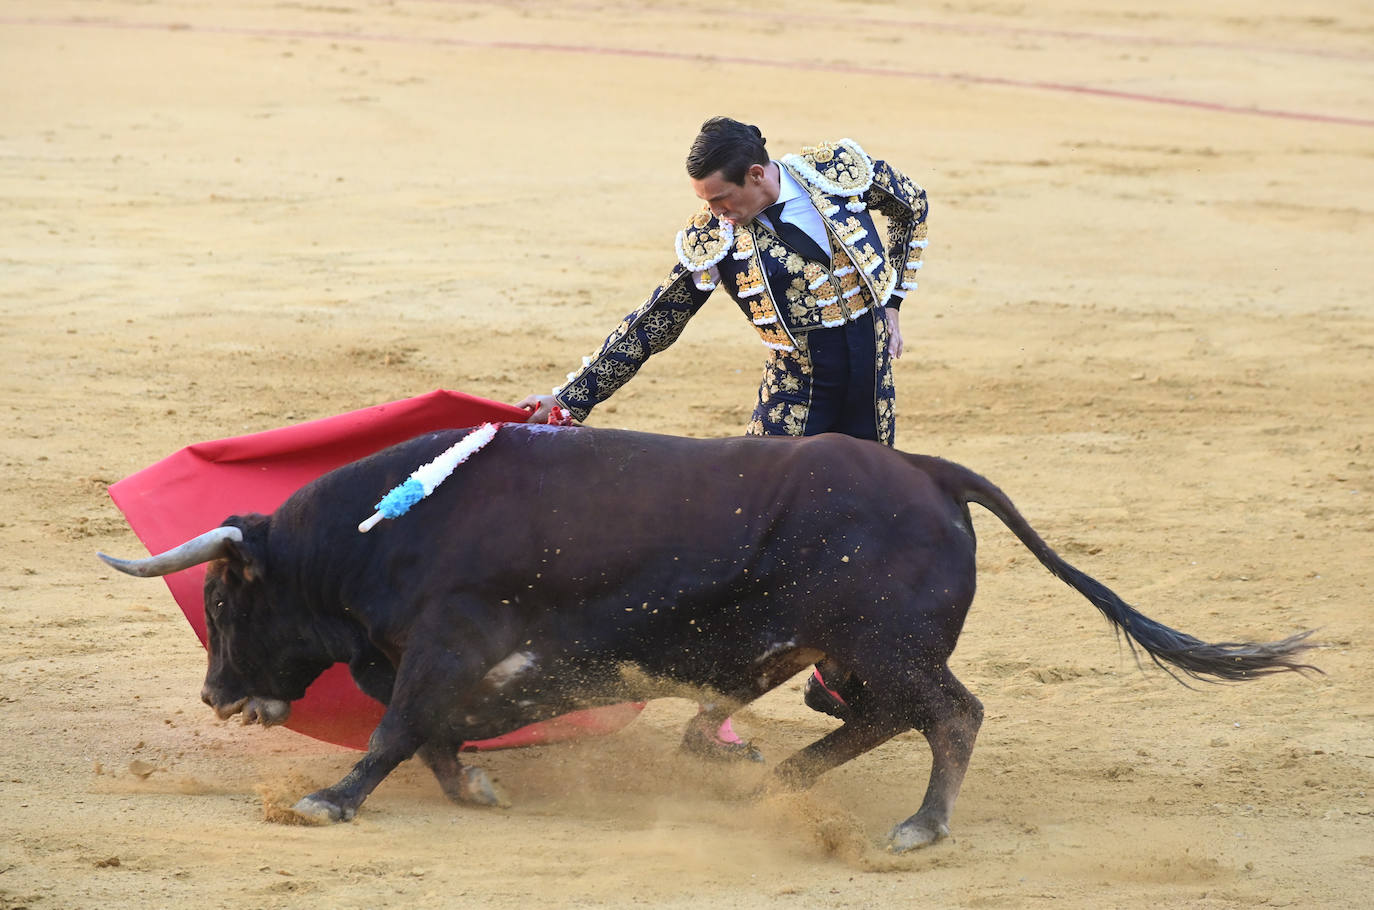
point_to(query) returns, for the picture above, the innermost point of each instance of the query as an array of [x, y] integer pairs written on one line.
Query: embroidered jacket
[[782, 294]]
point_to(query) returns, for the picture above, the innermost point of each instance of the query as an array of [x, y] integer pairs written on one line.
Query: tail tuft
[[1235, 661], [1169, 648]]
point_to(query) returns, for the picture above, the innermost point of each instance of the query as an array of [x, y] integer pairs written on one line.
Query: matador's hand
[[894, 332], [539, 406]]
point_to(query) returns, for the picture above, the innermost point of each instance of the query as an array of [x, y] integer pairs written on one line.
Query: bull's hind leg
[[941, 708], [859, 734], [949, 716], [770, 671]]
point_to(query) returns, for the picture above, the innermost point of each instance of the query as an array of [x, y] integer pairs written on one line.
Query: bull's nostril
[[205, 696]]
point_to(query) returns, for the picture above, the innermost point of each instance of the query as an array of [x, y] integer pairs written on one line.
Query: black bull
[[560, 568]]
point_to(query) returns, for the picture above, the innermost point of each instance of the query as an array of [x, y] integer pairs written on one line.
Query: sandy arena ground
[[1146, 314]]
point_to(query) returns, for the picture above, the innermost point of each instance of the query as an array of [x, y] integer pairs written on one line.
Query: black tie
[[793, 236]]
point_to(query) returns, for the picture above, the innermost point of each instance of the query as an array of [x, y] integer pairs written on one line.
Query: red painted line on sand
[[645, 53], [1021, 31]]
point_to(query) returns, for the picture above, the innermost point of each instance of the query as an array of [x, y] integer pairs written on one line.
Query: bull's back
[[670, 510], [604, 510]]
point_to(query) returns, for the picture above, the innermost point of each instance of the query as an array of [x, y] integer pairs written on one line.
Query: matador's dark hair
[[727, 146]]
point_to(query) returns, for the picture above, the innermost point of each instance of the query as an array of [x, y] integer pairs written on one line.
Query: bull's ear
[[249, 556]]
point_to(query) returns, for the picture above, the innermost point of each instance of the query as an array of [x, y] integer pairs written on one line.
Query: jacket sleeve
[[904, 204], [647, 331]]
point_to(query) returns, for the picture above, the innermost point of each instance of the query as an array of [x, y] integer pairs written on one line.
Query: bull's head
[[261, 654]]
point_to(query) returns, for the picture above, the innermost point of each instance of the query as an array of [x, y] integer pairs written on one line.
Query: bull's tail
[[1196, 658]]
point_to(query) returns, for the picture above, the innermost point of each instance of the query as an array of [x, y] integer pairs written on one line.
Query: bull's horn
[[210, 545]]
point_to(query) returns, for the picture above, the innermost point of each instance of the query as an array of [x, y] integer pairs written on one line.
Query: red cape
[[195, 489]]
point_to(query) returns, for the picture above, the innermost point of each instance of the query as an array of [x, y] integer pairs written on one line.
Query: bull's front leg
[[392, 743], [429, 685], [705, 735], [461, 783]]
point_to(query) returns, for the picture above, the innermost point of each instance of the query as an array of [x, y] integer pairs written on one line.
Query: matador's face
[[739, 203]]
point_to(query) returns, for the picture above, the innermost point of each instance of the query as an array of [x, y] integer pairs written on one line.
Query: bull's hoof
[[736, 752], [318, 810], [714, 749], [913, 834], [476, 787]]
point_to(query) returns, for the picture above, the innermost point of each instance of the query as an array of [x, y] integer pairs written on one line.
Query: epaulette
[[704, 241], [838, 168]]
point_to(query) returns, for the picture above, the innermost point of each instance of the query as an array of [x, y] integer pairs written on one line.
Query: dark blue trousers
[[844, 374]]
